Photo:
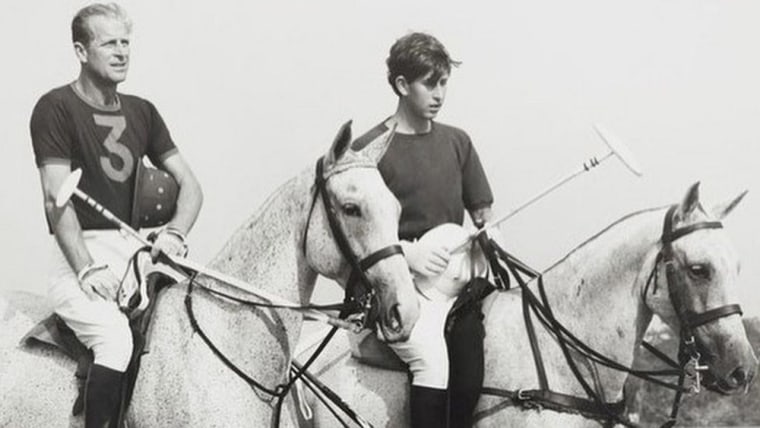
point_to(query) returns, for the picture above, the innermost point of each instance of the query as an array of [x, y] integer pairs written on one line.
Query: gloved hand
[[425, 258], [98, 282], [170, 242]]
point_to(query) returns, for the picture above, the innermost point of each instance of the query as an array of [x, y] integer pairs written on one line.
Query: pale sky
[[253, 92]]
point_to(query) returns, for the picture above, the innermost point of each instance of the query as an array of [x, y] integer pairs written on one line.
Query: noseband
[[359, 294]]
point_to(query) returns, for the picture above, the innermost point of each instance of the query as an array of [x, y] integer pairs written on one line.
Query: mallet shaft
[[587, 166], [312, 314]]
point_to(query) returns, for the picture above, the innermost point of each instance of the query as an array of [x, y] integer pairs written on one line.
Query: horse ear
[[691, 201], [339, 146], [377, 148], [720, 211]]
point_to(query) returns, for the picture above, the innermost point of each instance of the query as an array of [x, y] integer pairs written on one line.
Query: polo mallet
[[616, 148], [69, 188]]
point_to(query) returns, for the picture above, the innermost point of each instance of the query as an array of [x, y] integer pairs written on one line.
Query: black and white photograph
[[351, 213]]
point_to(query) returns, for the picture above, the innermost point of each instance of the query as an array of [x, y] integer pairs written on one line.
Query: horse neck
[[266, 252], [602, 280], [596, 290]]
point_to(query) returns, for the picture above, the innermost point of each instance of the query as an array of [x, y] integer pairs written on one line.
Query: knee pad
[[114, 350]]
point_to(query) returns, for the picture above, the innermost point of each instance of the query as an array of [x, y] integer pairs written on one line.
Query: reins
[[543, 396], [280, 391], [596, 407]]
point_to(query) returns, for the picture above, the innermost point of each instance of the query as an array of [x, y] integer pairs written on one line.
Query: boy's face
[[425, 95]]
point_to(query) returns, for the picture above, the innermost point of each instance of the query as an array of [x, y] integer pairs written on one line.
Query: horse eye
[[352, 210], [699, 271]]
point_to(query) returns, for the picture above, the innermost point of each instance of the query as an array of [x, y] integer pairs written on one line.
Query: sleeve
[[476, 192], [50, 140], [160, 143]]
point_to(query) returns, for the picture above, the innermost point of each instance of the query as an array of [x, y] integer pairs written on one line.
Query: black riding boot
[[465, 345], [428, 407], [102, 397]]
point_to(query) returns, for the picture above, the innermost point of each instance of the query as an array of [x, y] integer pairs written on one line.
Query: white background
[[253, 92]]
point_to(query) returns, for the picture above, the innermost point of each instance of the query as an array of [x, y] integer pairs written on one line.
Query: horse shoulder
[[38, 384], [377, 395]]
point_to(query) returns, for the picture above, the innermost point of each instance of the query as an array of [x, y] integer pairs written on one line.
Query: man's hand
[[425, 258], [98, 282], [170, 242]]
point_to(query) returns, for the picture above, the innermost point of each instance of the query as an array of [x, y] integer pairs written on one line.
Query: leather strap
[[683, 231], [380, 254], [696, 320], [558, 401]]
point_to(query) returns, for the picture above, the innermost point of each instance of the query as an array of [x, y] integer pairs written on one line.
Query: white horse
[[181, 382], [599, 292]]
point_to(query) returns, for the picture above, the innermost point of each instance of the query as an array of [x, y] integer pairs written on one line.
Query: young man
[[89, 125], [434, 171]]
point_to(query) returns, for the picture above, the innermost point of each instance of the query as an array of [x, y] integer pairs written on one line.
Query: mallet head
[[619, 149], [67, 188]]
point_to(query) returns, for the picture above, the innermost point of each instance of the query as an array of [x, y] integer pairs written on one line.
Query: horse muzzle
[[738, 381], [396, 322], [735, 379], [394, 312]]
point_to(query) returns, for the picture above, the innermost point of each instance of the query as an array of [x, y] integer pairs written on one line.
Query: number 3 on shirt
[[117, 124]]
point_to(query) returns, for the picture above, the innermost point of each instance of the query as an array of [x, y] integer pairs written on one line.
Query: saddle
[[53, 331]]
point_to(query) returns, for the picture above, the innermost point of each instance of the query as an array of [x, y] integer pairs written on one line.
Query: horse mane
[[602, 232]]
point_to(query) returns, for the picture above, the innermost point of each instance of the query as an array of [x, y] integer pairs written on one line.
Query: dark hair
[[80, 30], [415, 55]]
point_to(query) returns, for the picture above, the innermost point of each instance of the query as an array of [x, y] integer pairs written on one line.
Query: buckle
[[357, 322], [694, 371], [521, 395]]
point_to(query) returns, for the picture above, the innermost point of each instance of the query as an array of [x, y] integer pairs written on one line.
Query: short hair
[[80, 29], [415, 55]]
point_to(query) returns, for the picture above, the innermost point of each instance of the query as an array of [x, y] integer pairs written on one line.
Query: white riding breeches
[[98, 324], [425, 352]]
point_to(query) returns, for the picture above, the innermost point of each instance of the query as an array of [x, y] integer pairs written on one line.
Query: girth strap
[[559, 401]]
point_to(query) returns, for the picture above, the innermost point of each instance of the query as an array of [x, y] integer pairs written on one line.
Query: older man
[[87, 124]]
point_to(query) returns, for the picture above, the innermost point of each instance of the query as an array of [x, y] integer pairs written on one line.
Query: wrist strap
[[90, 268]]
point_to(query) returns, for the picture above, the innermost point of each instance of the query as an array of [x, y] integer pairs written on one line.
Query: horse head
[[696, 280], [366, 214]]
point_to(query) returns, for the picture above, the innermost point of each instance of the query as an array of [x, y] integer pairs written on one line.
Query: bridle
[[688, 354], [688, 319], [596, 407], [359, 295]]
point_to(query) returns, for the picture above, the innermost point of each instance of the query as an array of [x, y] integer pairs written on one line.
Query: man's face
[[425, 95], [106, 57]]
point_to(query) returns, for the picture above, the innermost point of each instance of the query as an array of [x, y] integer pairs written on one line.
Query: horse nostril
[[739, 376], [394, 319]]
